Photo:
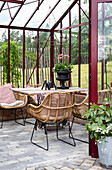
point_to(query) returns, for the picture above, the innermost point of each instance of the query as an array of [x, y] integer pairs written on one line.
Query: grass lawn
[[43, 75]]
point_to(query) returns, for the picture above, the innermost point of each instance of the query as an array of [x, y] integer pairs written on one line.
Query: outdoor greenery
[[31, 49], [99, 120], [15, 74]]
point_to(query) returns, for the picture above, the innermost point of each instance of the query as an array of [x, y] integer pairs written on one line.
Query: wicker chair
[[105, 93], [21, 101], [56, 108], [78, 109]]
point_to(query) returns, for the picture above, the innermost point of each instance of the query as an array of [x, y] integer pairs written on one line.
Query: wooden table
[[33, 91]]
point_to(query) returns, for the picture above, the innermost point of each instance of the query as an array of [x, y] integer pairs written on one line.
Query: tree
[[15, 74]]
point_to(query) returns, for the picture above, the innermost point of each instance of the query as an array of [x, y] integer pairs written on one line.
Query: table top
[[32, 90]]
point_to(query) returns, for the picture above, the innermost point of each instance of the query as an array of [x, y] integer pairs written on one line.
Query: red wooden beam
[[52, 55], [70, 44], [93, 53], [13, 1], [24, 28], [37, 57], [79, 52], [61, 38], [73, 26], [8, 56], [102, 65], [23, 58]]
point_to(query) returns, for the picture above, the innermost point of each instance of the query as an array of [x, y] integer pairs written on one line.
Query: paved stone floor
[[18, 153]]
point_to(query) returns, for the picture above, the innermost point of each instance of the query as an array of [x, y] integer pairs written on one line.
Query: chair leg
[[27, 121], [22, 116], [46, 134], [2, 119], [76, 138], [70, 132]]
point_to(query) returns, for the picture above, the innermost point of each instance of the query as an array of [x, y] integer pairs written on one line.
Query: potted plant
[[99, 123], [63, 68]]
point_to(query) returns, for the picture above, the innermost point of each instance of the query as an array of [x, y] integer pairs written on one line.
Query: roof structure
[[33, 14]]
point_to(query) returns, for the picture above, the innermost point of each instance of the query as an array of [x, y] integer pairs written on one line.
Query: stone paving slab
[[18, 153]]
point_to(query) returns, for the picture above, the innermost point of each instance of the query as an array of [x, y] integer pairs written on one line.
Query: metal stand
[[22, 116], [28, 121], [46, 134], [71, 130], [45, 129], [2, 119]]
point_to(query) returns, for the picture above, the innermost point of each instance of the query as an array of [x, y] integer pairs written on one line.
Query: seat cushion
[[14, 104], [6, 95]]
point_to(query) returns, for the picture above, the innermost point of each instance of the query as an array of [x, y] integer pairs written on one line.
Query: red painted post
[[52, 55], [37, 57], [79, 56], [60, 38], [102, 65], [70, 44], [23, 58], [8, 80], [93, 53]]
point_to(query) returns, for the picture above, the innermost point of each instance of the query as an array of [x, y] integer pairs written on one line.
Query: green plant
[[63, 64], [99, 120], [15, 74]]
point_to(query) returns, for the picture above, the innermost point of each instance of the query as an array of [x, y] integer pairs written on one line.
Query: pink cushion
[[6, 95]]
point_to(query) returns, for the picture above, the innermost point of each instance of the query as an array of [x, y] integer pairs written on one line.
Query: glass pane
[[8, 12], [74, 55], [75, 15], [104, 46], [54, 16], [84, 11], [84, 56], [3, 40]]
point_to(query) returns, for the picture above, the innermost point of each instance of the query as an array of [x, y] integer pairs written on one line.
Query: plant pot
[[63, 76], [105, 152]]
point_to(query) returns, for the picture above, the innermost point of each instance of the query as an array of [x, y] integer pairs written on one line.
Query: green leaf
[[107, 113], [108, 119], [92, 135], [103, 126], [94, 126]]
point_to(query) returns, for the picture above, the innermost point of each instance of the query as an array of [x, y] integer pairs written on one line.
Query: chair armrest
[[21, 97], [84, 102]]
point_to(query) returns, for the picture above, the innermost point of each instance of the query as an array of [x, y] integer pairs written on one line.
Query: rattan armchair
[[56, 108], [21, 101], [105, 93], [78, 109]]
